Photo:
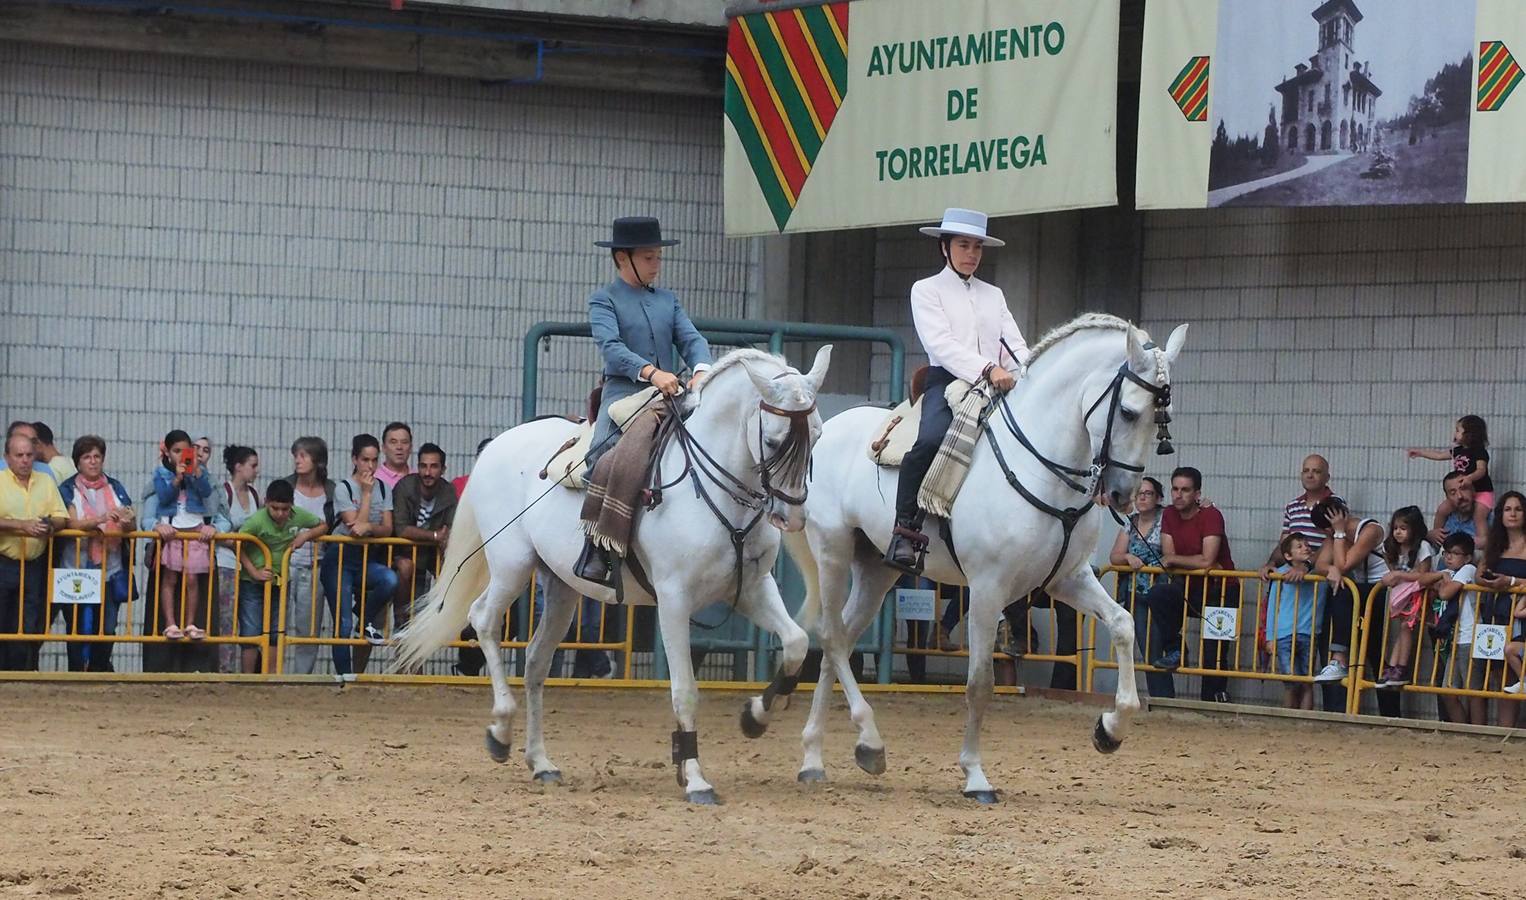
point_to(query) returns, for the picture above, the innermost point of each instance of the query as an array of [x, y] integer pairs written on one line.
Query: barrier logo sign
[[1220, 623], [82, 586], [1488, 642]]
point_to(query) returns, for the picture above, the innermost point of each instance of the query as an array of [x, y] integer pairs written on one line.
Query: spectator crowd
[[336, 588]]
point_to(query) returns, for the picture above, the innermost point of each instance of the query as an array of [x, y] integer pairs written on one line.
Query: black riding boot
[[593, 564], [908, 545]]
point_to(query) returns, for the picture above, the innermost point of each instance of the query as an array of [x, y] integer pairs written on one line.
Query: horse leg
[[561, 602], [765, 608], [673, 619], [487, 617], [981, 626], [871, 580], [1087, 595], [831, 573]]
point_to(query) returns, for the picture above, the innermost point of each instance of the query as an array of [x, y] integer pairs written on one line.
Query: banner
[[884, 112], [1332, 103]]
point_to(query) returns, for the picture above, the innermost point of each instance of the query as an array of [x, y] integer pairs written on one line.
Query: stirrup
[[918, 542], [595, 564]]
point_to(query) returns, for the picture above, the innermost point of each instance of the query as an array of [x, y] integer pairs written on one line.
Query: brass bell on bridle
[[1162, 423]]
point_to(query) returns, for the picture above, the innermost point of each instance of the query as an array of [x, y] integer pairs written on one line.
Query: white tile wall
[[1349, 332], [256, 252]]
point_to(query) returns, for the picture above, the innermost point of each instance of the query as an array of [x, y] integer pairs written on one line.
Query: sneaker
[[1221, 697], [374, 636], [1170, 662], [1393, 677], [1334, 670], [1518, 688]]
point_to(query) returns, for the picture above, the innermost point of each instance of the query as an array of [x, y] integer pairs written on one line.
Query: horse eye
[[1129, 415]]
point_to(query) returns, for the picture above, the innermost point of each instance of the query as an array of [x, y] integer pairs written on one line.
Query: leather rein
[[1069, 517], [700, 467]]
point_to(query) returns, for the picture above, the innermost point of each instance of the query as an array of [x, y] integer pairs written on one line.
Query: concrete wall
[[256, 252], [1351, 332]]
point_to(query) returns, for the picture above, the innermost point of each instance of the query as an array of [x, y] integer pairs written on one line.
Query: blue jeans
[[381, 582], [1293, 656]]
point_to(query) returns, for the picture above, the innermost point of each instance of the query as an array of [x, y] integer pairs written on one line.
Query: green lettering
[[977, 47], [955, 52], [880, 156], [999, 53], [1039, 159], [876, 62], [944, 152], [1001, 154], [924, 55], [987, 150], [1019, 40], [942, 43], [1020, 152], [915, 170], [1054, 38], [897, 164]]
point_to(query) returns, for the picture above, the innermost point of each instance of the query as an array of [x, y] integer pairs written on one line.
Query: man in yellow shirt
[[30, 511]]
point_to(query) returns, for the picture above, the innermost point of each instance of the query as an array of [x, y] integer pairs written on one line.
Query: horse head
[[1137, 407], [781, 432]]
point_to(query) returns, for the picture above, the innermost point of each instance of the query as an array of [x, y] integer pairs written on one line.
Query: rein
[[701, 467], [1069, 517]]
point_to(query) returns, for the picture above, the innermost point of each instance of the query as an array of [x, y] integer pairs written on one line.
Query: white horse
[[746, 457], [1020, 521]]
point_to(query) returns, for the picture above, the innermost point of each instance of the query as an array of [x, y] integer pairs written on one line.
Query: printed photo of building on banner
[[1331, 102]]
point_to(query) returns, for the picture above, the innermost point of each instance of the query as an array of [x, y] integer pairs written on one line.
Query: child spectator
[[1409, 556], [1470, 457], [1456, 613], [183, 492], [363, 506], [279, 525], [234, 503], [1294, 613]]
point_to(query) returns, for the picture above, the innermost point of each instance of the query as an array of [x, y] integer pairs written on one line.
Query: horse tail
[[799, 547], [440, 614]]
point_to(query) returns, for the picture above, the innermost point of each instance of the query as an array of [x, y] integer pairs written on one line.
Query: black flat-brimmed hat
[[632, 232]]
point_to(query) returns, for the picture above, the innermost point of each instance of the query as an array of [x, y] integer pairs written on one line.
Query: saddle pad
[[893, 439], [566, 466]]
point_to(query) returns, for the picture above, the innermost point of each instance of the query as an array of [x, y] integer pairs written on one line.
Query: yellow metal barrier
[[940, 642], [1239, 657], [340, 561], [1439, 667], [119, 602]]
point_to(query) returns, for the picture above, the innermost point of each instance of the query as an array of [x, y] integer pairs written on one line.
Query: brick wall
[[256, 252], [1349, 332]]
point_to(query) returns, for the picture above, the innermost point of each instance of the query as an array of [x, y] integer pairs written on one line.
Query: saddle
[[898, 433], [566, 466]]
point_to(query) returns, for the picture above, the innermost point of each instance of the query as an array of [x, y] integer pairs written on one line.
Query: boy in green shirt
[[277, 525]]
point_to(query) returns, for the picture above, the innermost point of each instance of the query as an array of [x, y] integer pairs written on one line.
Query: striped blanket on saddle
[[614, 492], [946, 475]]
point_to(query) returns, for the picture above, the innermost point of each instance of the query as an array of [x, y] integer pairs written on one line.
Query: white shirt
[[961, 325], [1467, 614]]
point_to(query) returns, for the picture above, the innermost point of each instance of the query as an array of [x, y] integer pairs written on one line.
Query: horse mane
[[732, 360], [1083, 322]]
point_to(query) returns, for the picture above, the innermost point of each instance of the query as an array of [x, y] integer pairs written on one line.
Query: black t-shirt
[[1466, 460]]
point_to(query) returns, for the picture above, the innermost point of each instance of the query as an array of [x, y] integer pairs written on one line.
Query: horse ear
[[767, 388], [1175, 342], [818, 373], [1139, 357]]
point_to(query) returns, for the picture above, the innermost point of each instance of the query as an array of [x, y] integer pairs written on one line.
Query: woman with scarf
[[98, 504]]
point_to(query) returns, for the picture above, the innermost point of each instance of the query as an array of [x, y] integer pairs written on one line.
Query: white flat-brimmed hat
[[963, 223]]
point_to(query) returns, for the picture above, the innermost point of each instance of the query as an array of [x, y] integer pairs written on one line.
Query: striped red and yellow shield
[[1190, 89], [1498, 75], [786, 76]]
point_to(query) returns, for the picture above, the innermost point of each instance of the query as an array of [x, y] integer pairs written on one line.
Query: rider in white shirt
[[969, 334]]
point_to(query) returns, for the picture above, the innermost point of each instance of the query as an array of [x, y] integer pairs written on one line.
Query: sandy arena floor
[[236, 791]]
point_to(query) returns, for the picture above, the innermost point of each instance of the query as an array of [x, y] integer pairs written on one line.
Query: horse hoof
[[984, 798], [811, 776], [1104, 742], [751, 727], [497, 749], [704, 798], [870, 759], [548, 777]]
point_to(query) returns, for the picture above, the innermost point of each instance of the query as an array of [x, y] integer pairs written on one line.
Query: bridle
[[1103, 460], [701, 467]]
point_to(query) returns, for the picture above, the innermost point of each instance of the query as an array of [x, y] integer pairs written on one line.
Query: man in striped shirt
[[1297, 516]]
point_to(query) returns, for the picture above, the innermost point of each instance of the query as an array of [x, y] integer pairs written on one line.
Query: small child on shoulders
[[1294, 611], [1470, 456]]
